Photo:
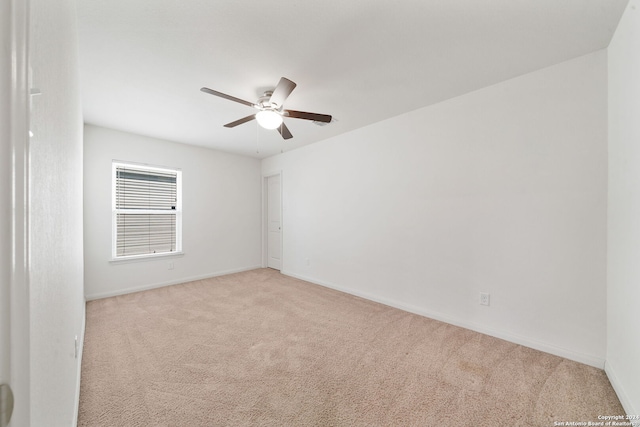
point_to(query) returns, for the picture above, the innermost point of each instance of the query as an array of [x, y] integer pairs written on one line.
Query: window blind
[[146, 210]]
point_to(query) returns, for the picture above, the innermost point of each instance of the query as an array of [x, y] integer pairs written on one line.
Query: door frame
[[17, 117], [265, 219]]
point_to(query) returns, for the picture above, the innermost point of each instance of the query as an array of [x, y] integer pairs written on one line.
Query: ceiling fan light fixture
[[269, 119]]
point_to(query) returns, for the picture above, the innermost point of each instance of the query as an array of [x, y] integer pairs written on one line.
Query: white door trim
[[5, 197], [19, 281], [265, 224]]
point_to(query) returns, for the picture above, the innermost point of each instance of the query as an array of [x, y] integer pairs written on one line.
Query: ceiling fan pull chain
[[257, 137], [281, 130]]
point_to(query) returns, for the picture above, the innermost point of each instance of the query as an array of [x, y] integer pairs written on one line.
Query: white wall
[[502, 190], [221, 212], [623, 289], [55, 214]]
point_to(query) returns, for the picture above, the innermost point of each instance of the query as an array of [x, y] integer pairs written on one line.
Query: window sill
[[151, 257]]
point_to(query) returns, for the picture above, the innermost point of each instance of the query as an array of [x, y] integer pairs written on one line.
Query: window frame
[[115, 164]]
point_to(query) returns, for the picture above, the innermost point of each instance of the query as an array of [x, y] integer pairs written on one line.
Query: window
[[147, 211]]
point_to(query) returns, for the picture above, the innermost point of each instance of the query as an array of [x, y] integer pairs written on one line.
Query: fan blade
[[325, 118], [282, 92], [284, 131], [240, 121], [229, 97]]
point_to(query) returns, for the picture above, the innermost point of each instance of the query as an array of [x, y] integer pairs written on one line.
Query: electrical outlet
[[170, 265], [75, 348], [484, 298], [307, 261]]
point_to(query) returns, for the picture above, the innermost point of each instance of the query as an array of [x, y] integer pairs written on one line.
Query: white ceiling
[[142, 62]]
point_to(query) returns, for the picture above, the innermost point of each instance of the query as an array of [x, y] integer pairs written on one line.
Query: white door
[[274, 234]]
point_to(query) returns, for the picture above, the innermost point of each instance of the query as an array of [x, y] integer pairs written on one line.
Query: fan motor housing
[[264, 101]]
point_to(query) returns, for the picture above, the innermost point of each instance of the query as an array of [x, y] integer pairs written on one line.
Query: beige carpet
[[262, 349]]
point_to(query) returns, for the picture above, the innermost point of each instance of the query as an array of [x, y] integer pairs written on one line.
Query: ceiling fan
[[271, 112]]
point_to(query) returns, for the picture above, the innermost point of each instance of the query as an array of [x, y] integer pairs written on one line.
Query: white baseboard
[[590, 360], [622, 396], [79, 365], [168, 283]]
